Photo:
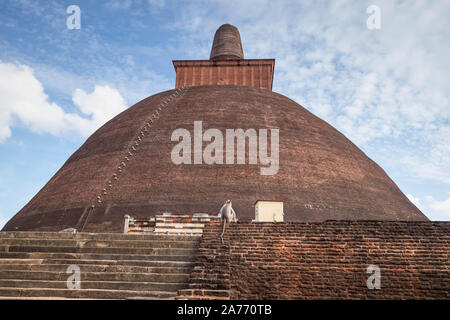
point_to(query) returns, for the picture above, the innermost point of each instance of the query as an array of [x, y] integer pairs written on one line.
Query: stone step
[[93, 268], [103, 285], [21, 261], [33, 265], [138, 263], [93, 256], [94, 236], [99, 243], [166, 230], [187, 217], [175, 224], [95, 276], [62, 298], [100, 250], [133, 230], [82, 294]]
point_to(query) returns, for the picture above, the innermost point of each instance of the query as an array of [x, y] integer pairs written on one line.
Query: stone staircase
[[112, 266]]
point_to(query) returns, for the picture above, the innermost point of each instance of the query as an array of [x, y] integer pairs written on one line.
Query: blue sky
[[388, 90]]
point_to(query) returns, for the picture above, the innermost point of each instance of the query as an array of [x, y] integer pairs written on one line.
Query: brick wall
[[326, 260], [257, 73]]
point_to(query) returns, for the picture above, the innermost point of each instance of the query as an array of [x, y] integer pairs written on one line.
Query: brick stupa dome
[[125, 167]]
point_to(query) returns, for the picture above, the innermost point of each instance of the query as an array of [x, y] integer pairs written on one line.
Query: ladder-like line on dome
[[133, 147]]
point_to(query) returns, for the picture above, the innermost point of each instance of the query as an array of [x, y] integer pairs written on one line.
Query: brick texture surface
[[252, 73], [322, 175], [326, 260]]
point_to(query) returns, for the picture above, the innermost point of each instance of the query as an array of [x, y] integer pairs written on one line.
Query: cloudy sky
[[386, 89]]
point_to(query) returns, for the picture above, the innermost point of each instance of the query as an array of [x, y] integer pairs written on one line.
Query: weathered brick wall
[[325, 260], [210, 277], [257, 73]]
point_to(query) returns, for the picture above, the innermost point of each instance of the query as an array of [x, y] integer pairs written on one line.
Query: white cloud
[[157, 3], [119, 4], [414, 200], [22, 98], [126, 4], [3, 218], [3, 221], [441, 207], [432, 208], [102, 104], [425, 165]]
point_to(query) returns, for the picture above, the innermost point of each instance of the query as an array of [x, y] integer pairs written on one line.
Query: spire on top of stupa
[[226, 65], [227, 44]]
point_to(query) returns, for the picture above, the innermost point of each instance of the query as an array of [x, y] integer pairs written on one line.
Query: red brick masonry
[[256, 73], [322, 174], [324, 260]]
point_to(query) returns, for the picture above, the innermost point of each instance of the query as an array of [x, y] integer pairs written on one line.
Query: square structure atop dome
[[257, 73]]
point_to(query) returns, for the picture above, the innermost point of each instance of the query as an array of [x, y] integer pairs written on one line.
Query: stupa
[[127, 165]]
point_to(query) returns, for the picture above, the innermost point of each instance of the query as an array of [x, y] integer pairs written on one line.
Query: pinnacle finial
[[227, 44]]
